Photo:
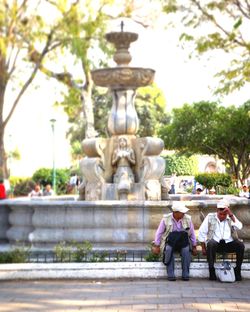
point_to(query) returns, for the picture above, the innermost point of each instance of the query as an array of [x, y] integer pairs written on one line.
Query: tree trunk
[[3, 158]]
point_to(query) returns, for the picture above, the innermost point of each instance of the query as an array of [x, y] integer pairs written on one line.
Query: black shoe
[[212, 275], [237, 273], [171, 279], [185, 279]]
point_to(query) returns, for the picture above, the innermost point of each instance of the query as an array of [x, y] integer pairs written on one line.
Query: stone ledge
[[105, 270]]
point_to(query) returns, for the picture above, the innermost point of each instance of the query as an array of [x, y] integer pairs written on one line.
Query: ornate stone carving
[[122, 41], [123, 158], [92, 168], [165, 188], [152, 168], [129, 77], [123, 117], [151, 146]]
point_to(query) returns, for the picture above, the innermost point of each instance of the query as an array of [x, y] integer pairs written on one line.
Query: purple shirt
[[177, 226]]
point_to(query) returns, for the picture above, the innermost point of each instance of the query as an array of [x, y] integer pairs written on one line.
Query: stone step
[[104, 270]]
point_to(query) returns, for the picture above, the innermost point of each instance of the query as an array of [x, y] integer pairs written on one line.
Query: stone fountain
[[123, 166], [124, 190]]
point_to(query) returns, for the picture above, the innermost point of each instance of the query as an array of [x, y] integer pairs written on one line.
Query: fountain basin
[[43, 223], [121, 38], [123, 77]]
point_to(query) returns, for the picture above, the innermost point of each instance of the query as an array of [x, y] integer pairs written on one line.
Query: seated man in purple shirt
[[177, 221]]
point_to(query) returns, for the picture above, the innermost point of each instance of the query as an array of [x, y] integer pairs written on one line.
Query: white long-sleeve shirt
[[222, 230]]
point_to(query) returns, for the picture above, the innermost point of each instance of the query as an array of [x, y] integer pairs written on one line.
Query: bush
[[151, 257], [181, 165], [74, 251], [81, 250], [216, 180], [63, 252], [17, 255], [229, 190], [44, 176], [23, 187]]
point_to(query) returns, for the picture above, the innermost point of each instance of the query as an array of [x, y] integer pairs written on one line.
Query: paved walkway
[[124, 295]]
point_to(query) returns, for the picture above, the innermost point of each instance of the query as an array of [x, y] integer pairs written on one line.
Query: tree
[[17, 35], [85, 33], [221, 25], [208, 128], [31, 40], [25, 42], [150, 104], [181, 165]]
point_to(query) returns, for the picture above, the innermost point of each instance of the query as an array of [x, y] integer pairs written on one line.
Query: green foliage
[[17, 255], [76, 150], [44, 176], [30, 41], [207, 128], [77, 252], [151, 257], [102, 108], [63, 252], [81, 250], [231, 189], [181, 165], [150, 105], [209, 180], [217, 25], [23, 186], [99, 257], [120, 256], [16, 180], [14, 154]]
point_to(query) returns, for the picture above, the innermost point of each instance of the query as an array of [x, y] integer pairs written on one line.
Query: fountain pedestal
[[123, 166]]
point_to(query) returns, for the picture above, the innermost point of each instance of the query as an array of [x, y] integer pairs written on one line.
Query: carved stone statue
[[123, 158]]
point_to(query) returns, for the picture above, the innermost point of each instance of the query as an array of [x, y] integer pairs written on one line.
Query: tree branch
[[214, 21], [28, 82], [241, 8]]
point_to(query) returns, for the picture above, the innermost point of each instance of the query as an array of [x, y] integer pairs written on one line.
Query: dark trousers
[[172, 190], [235, 246]]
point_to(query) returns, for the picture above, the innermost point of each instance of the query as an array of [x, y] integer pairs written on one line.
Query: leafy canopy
[[221, 25], [208, 128]]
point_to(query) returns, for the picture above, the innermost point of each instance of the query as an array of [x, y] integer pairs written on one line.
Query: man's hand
[[203, 249], [229, 213], [194, 251], [155, 249]]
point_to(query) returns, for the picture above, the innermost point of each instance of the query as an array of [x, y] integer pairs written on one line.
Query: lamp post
[[52, 121], [10, 155]]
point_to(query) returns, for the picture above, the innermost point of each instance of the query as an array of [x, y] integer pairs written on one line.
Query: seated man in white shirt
[[244, 192], [218, 233]]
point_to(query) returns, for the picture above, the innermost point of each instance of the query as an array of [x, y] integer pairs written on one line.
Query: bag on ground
[[225, 272]]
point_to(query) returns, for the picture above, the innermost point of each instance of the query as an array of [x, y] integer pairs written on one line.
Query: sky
[[183, 80]]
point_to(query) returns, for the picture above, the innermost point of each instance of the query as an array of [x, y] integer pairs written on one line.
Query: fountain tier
[[123, 166], [123, 77]]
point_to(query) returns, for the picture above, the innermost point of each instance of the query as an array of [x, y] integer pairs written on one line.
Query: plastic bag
[[225, 272]]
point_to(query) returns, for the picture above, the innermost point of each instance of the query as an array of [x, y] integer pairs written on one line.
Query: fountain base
[[43, 223]]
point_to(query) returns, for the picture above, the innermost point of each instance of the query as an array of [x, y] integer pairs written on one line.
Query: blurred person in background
[[2, 189]]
